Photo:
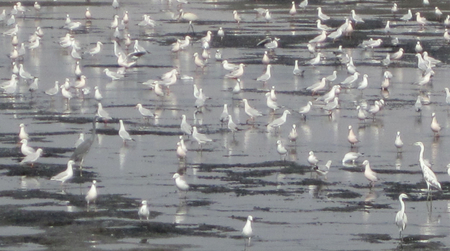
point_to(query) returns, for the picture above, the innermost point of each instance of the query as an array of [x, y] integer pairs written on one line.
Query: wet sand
[[231, 177]]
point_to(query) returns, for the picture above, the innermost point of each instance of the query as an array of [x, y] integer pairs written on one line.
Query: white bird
[[237, 17], [321, 15], [418, 104], [364, 83], [332, 77], [305, 109], [397, 55], [447, 96], [22, 132], [271, 103], [102, 113], [200, 137], [247, 231], [66, 174], [231, 125], [250, 111], [370, 175], [297, 71], [394, 8], [356, 18], [115, 4], [351, 156], [92, 194], [317, 86], [266, 75], [236, 73], [312, 159], [322, 171], [303, 4], [281, 150], [320, 38], [428, 174], [350, 79], [25, 148], [315, 60], [185, 126], [180, 182], [96, 50], [435, 127], [124, 134], [293, 135], [352, 139], [143, 210], [421, 20], [398, 142], [146, 113], [97, 95], [293, 10], [277, 123], [265, 59], [408, 16], [224, 115], [400, 218], [79, 140], [181, 152], [229, 66]]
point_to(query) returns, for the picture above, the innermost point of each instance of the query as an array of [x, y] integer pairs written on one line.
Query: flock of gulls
[[324, 93]]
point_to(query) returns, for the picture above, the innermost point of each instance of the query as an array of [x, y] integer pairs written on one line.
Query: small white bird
[[281, 150], [305, 109], [370, 175], [143, 210], [65, 175], [352, 139], [351, 156], [146, 113], [199, 137], [180, 182], [185, 126], [293, 135], [124, 134], [400, 218], [435, 127], [250, 111], [22, 132], [102, 113], [247, 231], [25, 149], [181, 152], [408, 16], [398, 142], [312, 159], [277, 123], [92, 194]]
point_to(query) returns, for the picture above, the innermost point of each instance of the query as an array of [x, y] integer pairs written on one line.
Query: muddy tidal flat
[[237, 173]]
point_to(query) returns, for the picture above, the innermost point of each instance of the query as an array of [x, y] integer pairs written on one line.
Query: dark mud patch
[[47, 170], [209, 167], [416, 192], [358, 206], [343, 194], [373, 238]]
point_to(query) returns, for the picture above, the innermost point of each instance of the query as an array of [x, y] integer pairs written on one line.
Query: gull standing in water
[[266, 76], [351, 156], [31, 158], [224, 116], [22, 133], [277, 123], [143, 210], [297, 71], [181, 183], [102, 113], [200, 137], [352, 139], [435, 127], [247, 231], [66, 174], [250, 111], [305, 109], [124, 134], [54, 90], [398, 142], [231, 125], [293, 135], [281, 150], [91, 195], [25, 149], [312, 159], [400, 218], [370, 175], [146, 113], [185, 126]]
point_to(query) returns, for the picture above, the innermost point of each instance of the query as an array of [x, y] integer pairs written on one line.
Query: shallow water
[[232, 177]]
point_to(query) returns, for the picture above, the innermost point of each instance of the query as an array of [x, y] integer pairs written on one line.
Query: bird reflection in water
[[29, 183], [182, 210]]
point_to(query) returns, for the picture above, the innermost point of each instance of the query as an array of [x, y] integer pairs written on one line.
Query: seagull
[[370, 175], [297, 71], [400, 218], [271, 103], [237, 17], [181, 152], [435, 127], [123, 133], [247, 231], [303, 4], [397, 55], [320, 38], [352, 139], [66, 174], [91, 195], [408, 16], [312, 159], [236, 73], [143, 210], [398, 142], [184, 126], [146, 113], [356, 18], [22, 132], [364, 83], [250, 111], [180, 182], [281, 150], [293, 10], [277, 123], [102, 113], [25, 149], [293, 135], [351, 156], [266, 76], [317, 86], [224, 116], [418, 104], [231, 125], [324, 171], [96, 50], [305, 109], [321, 15], [199, 137]]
